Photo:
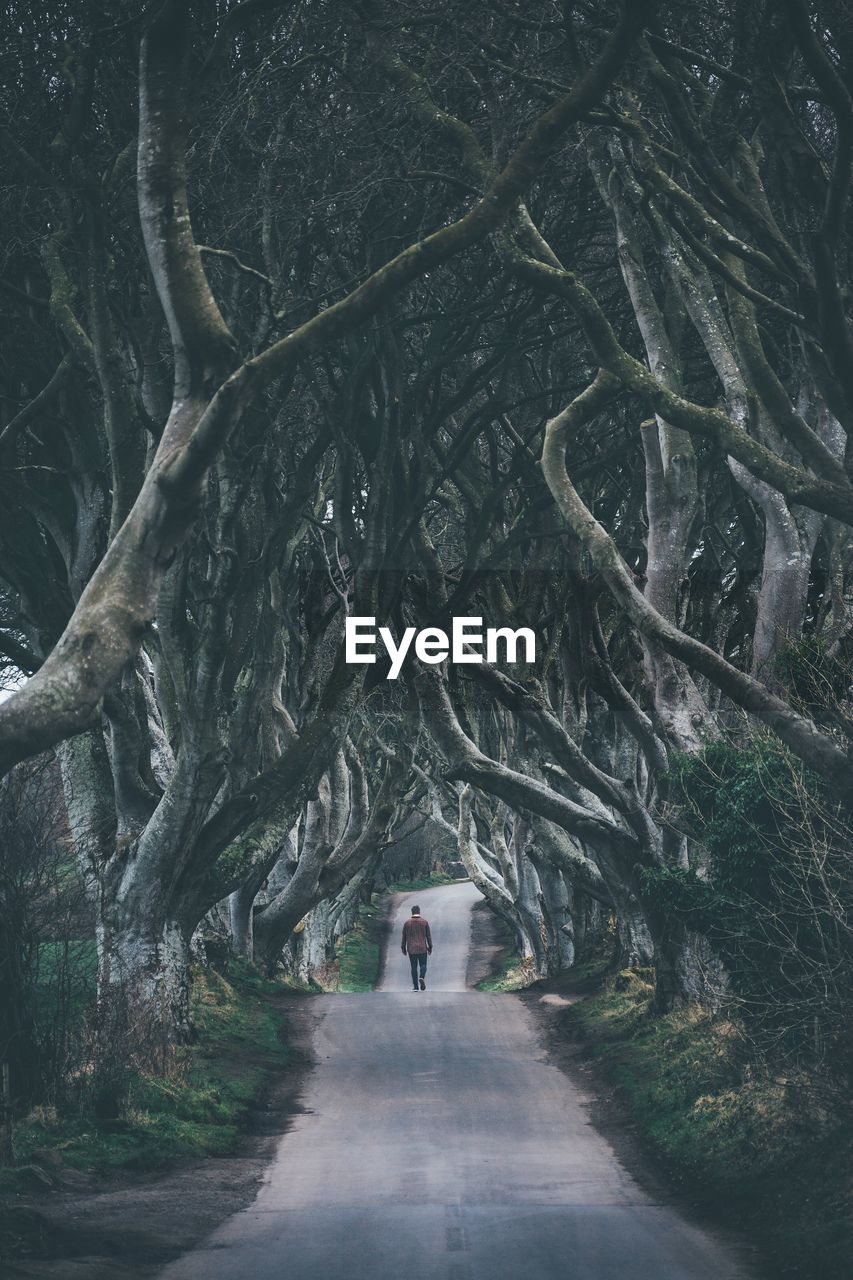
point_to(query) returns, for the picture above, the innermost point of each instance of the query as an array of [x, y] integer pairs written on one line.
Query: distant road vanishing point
[[438, 1143]]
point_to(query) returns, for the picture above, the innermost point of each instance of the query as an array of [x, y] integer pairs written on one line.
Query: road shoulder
[[549, 1002]]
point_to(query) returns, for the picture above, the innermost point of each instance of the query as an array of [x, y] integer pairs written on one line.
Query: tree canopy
[[535, 313]]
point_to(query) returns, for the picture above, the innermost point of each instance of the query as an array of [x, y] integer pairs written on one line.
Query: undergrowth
[[359, 952], [771, 1154], [195, 1111]]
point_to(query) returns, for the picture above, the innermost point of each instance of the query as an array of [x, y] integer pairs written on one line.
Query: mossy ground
[[195, 1110], [769, 1154]]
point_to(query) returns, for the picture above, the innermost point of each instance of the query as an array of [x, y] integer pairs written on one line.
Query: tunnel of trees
[[536, 313]]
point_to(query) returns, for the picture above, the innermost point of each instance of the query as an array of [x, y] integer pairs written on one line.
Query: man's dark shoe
[[423, 984], [416, 988]]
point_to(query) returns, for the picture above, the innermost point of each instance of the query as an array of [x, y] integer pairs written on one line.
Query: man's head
[[416, 911]]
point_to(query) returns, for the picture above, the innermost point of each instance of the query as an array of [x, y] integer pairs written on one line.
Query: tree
[[540, 317]]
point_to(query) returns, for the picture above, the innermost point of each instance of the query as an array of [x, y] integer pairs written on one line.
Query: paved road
[[439, 1144], [448, 910]]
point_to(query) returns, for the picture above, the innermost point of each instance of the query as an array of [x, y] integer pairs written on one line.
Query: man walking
[[417, 941]]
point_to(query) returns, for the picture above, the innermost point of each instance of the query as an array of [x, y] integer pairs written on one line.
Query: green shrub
[[771, 888]]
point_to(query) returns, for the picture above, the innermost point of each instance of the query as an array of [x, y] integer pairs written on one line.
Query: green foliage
[[680, 891], [736, 799], [771, 1152], [70, 965], [43, 983], [772, 890]]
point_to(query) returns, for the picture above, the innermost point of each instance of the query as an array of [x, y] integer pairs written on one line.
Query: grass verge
[[195, 1111], [359, 953], [769, 1155]]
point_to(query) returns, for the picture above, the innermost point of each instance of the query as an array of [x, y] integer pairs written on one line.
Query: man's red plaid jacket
[[417, 939]]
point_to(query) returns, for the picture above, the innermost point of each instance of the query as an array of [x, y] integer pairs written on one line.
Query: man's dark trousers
[[418, 962]]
